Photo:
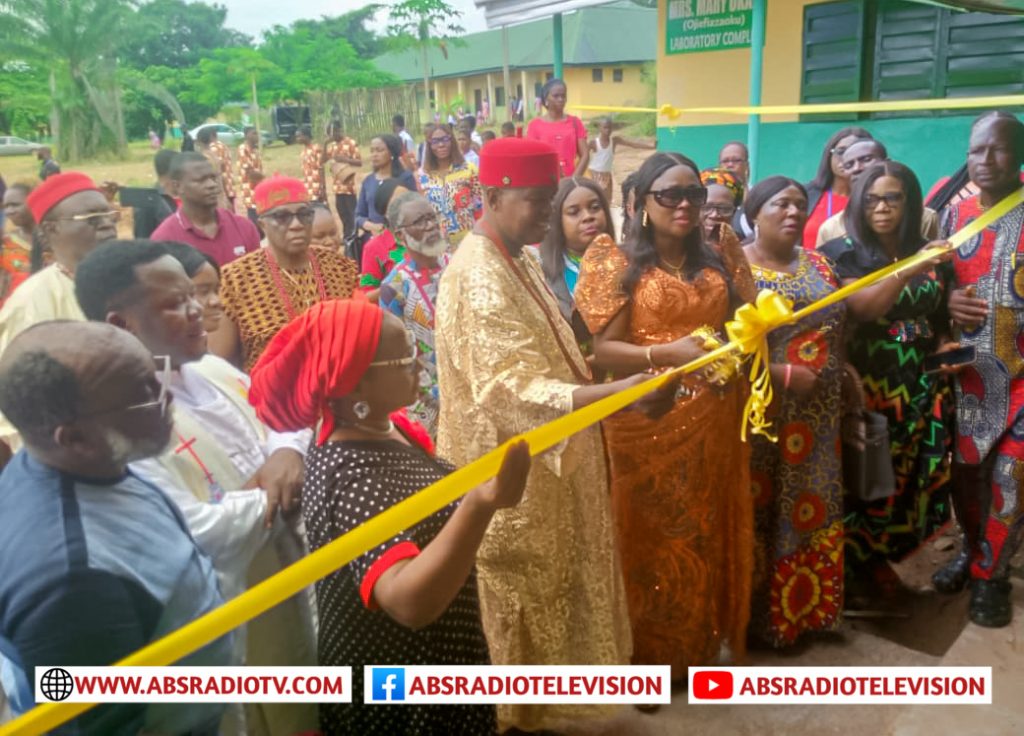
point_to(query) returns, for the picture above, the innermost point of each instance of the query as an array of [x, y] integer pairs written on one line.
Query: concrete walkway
[[936, 633]]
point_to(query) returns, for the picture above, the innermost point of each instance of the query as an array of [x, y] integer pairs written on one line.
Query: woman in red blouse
[[829, 190], [563, 132]]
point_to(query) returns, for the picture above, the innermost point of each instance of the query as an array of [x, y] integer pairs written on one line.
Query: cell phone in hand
[[952, 358]]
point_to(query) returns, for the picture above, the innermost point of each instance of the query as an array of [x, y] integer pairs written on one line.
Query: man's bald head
[[54, 373]]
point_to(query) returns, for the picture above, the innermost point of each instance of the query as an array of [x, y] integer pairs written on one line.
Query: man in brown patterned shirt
[[250, 169], [343, 157], [312, 159], [219, 156]]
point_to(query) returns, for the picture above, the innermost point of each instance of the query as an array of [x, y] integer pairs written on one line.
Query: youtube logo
[[711, 685]]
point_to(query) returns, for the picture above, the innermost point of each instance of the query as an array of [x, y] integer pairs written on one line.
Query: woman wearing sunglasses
[[450, 183], [263, 291], [679, 484], [899, 322], [797, 481]]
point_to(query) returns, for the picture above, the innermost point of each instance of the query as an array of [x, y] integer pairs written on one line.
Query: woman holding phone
[[899, 323]]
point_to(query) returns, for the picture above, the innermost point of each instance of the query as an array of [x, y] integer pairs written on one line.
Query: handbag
[[354, 244], [867, 458]]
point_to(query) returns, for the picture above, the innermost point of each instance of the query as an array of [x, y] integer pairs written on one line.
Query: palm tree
[[423, 24], [76, 41]]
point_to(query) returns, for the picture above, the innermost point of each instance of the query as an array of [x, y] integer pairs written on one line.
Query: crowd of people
[[186, 413]]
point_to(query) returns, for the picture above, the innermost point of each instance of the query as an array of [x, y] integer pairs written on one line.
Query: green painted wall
[[933, 147]]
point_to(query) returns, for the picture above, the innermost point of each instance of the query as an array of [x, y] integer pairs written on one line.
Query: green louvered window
[[896, 50], [833, 54]]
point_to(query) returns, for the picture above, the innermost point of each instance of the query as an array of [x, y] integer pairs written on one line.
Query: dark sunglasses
[[441, 140], [305, 216], [672, 197], [892, 199]]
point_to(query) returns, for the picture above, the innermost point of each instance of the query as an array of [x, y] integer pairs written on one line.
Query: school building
[[605, 51], [842, 51]]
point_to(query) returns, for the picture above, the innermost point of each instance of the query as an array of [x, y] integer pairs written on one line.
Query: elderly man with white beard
[[410, 290]]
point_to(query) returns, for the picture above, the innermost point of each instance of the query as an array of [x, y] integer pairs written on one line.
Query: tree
[[314, 58], [176, 34], [24, 99], [351, 27], [425, 24], [75, 41]]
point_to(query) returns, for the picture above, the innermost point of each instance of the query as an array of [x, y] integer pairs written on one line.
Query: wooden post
[[527, 98], [490, 97], [256, 114], [507, 79]]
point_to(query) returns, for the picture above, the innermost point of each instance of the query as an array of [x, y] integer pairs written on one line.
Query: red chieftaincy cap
[[276, 191], [518, 163], [55, 190]]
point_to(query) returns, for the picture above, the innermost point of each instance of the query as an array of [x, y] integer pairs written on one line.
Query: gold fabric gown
[[680, 485], [550, 584]]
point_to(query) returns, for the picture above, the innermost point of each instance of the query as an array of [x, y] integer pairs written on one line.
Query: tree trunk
[[426, 84], [55, 115], [256, 115]]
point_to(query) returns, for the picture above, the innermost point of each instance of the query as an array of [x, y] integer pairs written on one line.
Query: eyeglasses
[[892, 199], [732, 161], [305, 216], [441, 140], [865, 159], [722, 210], [162, 399], [672, 197], [94, 218], [396, 362], [421, 223]]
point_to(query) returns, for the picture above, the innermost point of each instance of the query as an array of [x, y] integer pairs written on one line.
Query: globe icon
[[56, 684]]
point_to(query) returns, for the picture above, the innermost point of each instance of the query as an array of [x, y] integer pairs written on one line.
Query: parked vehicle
[[231, 136], [12, 146], [287, 119]]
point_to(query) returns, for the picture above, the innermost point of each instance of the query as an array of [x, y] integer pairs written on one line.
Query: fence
[[363, 113]]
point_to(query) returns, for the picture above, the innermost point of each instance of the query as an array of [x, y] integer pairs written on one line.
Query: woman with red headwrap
[[351, 365]]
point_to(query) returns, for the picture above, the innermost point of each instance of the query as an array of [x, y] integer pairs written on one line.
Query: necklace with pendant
[[677, 271]]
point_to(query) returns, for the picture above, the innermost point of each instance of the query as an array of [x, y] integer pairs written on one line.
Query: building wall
[[583, 90], [723, 77], [931, 146]]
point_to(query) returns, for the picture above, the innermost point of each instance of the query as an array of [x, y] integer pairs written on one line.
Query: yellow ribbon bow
[[670, 111], [748, 330]]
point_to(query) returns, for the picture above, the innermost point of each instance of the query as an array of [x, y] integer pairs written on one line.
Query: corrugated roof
[[609, 34]]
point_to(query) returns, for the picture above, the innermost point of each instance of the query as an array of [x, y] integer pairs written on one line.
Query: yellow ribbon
[[747, 332], [671, 112]]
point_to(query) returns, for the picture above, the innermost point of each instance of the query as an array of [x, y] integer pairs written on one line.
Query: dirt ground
[[929, 630]]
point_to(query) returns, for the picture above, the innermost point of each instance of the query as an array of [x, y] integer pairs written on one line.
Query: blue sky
[[253, 16]]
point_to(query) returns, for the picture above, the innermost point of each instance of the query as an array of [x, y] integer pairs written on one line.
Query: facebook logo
[[388, 684]]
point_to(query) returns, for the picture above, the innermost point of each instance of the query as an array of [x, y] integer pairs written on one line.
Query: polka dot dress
[[346, 484]]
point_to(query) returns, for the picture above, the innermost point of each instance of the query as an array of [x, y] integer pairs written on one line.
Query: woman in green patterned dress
[[798, 492], [898, 323]]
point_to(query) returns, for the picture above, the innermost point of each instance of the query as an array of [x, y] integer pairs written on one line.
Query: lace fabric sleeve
[[736, 265], [599, 296]]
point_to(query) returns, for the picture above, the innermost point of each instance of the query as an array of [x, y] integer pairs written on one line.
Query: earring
[[361, 409], [643, 220]]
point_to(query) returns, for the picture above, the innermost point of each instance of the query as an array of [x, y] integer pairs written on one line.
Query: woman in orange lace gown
[[680, 484]]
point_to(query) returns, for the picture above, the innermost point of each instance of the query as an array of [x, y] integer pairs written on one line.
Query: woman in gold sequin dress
[[680, 484], [265, 290]]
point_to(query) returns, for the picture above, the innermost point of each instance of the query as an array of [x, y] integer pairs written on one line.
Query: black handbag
[[867, 458], [354, 245]]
